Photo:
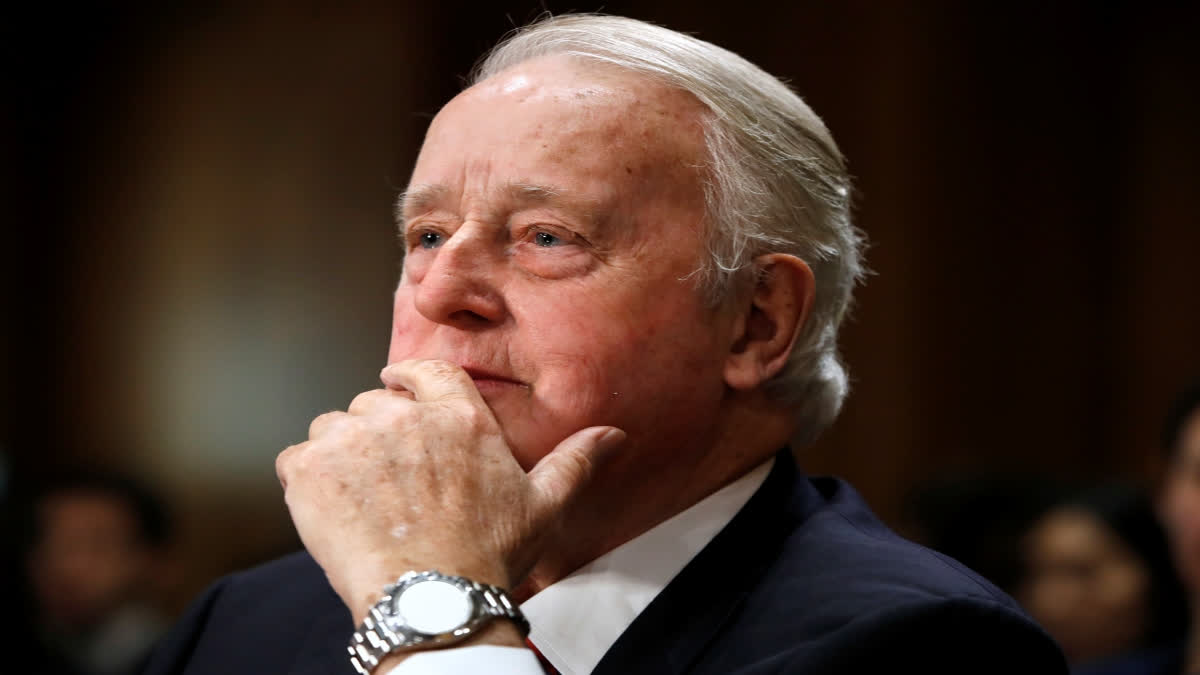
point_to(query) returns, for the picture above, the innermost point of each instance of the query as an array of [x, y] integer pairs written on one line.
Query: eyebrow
[[421, 198], [523, 194], [529, 192], [418, 199]]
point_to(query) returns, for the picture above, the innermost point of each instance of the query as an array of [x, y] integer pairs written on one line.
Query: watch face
[[433, 607]]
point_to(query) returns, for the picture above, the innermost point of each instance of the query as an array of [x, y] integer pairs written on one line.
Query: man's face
[[552, 226], [1181, 504]]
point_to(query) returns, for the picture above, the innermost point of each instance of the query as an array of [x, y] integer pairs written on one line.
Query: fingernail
[[611, 438]]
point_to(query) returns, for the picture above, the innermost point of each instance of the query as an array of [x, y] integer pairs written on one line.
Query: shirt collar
[[576, 620]]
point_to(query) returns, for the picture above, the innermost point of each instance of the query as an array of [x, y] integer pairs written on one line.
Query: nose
[[461, 286]]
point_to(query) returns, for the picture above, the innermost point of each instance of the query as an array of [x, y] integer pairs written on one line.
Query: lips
[[482, 375]]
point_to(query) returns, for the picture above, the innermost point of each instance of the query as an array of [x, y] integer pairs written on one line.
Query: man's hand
[[418, 476]]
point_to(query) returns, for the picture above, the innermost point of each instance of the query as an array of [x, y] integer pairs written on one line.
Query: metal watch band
[[375, 638]]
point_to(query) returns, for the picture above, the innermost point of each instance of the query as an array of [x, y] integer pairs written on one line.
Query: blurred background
[[200, 252]]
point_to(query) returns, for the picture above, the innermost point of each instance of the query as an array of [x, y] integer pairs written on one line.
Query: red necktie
[[546, 665]]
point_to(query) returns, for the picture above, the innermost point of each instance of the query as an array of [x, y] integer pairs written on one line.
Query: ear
[[770, 320]]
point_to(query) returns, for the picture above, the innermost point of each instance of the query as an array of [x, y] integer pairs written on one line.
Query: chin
[[529, 449]]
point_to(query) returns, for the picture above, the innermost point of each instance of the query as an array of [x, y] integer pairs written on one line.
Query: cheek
[[1131, 587], [1183, 513], [407, 326], [578, 377], [1187, 534], [614, 365], [1182, 521]]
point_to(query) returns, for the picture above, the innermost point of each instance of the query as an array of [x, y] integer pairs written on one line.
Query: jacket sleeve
[[964, 635], [174, 650]]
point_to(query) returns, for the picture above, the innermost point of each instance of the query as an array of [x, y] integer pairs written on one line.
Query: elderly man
[[627, 254]]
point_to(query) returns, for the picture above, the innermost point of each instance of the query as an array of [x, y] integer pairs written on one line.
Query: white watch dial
[[434, 607]]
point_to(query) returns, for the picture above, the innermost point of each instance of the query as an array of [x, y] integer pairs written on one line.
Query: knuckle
[[416, 366], [572, 469], [435, 367], [474, 419], [579, 465], [285, 461], [323, 421], [442, 369], [402, 415], [363, 402]]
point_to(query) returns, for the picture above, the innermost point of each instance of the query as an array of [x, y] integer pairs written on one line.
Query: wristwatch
[[428, 609]]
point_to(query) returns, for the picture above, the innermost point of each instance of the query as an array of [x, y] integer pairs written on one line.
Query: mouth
[[485, 378]]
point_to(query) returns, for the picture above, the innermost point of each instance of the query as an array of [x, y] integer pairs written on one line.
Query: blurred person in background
[[1181, 504], [1099, 576], [95, 543], [980, 520], [1179, 513]]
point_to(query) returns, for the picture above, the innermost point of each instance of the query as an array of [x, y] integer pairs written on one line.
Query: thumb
[[560, 475]]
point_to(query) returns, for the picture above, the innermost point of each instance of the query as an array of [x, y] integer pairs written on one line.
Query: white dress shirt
[[576, 620]]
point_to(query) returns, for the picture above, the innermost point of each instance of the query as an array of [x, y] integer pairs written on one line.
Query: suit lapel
[[681, 621]]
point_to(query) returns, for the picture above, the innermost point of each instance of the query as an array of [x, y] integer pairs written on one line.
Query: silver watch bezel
[[392, 619], [383, 630]]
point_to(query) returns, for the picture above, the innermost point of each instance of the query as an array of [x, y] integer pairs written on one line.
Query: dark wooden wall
[[199, 252]]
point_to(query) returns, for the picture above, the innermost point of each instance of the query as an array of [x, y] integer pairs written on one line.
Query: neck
[[632, 497]]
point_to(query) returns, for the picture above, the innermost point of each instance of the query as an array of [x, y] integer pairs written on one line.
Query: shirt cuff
[[472, 660]]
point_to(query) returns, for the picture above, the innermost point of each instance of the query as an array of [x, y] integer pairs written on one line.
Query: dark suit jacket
[[805, 579]]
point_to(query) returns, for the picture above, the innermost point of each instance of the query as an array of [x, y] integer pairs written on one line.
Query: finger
[[560, 475], [370, 402], [283, 463], [431, 380], [321, 424]]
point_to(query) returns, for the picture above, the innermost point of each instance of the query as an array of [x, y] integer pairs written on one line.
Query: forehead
[[556, 118], [85, 508], [1070, 527]]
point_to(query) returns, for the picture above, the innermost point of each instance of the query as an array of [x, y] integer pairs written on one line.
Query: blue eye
[[430, 240], [546, 240]]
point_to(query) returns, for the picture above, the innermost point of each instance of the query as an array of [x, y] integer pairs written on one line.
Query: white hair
[[775, 182]]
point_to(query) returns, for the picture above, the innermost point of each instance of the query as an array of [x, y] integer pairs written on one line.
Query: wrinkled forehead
[[561, 113]]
